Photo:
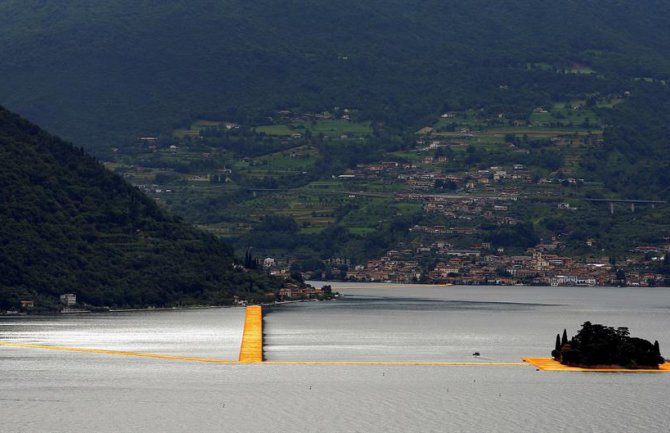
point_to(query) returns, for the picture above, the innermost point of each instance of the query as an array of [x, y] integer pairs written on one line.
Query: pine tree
[[565, 338], [556, 353], [248, 260]]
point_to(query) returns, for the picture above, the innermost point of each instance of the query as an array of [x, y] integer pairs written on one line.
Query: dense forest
[[98, 73], [634, 160], [68, 225]]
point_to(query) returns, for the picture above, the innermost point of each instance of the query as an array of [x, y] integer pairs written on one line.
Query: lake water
[[49, 391]]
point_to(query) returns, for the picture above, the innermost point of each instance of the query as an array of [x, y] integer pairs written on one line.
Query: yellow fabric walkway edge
[[251, 351], [228, 361], [400, 363], [118, 352], [548, 364]]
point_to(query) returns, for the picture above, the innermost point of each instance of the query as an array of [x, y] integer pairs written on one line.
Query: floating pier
[[116, 352], [549, 364], [251, 351]]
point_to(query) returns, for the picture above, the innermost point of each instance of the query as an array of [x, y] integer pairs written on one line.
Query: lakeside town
[[480, 266], [489, 200], [537, 267]]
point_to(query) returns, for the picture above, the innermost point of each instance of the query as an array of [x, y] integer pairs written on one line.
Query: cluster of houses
[[68, 304], [428, 175], [479, 265], [287, 116], [291, 291], [154, 189], [495, 209]]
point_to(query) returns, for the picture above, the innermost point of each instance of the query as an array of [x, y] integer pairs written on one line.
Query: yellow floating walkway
[[548, 364], [251, 351], [256, 355], [117, 352], [391, 363]]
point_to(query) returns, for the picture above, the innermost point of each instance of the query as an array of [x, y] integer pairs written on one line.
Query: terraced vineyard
[[310, 190]]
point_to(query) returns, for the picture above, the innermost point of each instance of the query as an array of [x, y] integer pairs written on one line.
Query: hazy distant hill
[[96, 72], [69, 225]]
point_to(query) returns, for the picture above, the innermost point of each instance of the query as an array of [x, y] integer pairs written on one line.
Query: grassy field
[[279, 130], [463, 119], [296, 159], [573, 114], [560, 119], [197, 126], [331, 128], [338, 127], [575, 68], [327, 127], [541, 132], [408, 155]]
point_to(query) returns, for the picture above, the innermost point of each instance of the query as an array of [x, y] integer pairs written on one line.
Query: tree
[[250, 262], [621, 276], [564, 341], [557, 347], [297, 276]]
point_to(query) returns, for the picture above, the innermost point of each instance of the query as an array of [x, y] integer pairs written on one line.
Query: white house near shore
[[68, 299]]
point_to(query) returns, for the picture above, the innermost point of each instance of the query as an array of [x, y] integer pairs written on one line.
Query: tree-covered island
[[597, 346]]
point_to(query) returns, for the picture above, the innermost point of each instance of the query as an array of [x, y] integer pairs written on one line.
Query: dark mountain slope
[[69, 225], [99, 72]]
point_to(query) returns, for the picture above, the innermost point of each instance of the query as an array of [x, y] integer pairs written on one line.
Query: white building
[[68, 299]]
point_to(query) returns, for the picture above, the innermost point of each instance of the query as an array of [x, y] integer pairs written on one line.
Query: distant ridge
[[93, 72]]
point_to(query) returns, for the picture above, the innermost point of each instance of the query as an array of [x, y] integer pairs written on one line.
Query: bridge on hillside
[[631, 202]]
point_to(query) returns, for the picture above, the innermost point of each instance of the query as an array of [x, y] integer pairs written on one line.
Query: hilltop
[[68, 225]]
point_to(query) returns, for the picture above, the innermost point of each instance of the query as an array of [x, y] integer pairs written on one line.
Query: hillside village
[[469, 184]]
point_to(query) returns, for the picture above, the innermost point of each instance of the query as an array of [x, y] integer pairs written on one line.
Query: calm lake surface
[[50, 391]]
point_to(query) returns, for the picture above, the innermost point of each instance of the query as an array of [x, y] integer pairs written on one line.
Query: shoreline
[[353, 285], [119, 310], [337, 285], [149, 310]]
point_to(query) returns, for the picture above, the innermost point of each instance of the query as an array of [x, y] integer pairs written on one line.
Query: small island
[[599, 346]]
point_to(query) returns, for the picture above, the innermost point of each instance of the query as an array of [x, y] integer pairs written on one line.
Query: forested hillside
[[67, 225], [634, 160], [330, 134], [99, 72]]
